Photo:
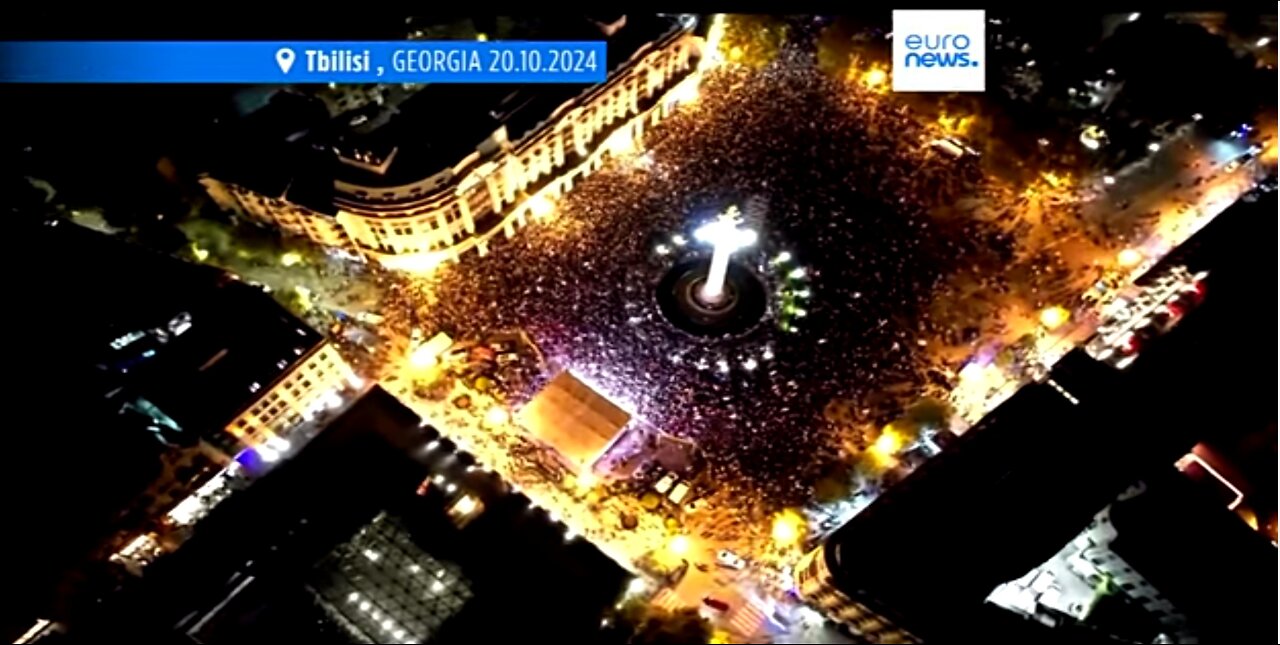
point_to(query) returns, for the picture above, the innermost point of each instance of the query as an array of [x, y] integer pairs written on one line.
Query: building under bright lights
[[495, 161]]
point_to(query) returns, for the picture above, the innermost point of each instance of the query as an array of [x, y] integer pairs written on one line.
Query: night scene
[[890, 326]]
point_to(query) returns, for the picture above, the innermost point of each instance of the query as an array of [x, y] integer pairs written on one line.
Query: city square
[[877, 290], [742, 330]]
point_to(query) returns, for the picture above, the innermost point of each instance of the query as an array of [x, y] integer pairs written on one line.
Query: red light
[[1176, 310], [1130, 344]]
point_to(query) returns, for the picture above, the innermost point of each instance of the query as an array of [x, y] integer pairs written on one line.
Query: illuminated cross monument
[[725, 237]]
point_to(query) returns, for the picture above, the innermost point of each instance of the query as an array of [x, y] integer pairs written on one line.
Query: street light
[[496, 416], [787, 528], [1129, 258], [1054, 317], [876, 77], [678, 545], [887, 445]]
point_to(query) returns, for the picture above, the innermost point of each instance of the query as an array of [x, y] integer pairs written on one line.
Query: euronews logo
[[939, 51]]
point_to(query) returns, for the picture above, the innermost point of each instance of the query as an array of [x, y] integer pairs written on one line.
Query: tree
[[836, 483], [930, 412], [639, 623], [752, 40]]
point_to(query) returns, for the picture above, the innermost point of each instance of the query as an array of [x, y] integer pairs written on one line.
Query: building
[[1186, 559], [177, 367], [311, 386], [1165, 562], [381, 586], [341, 543], [458, 166], [1003, 499], [916, 563]]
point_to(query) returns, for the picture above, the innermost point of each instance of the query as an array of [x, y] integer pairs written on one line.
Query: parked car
[[730, 560], [715, 603], [663, 485]]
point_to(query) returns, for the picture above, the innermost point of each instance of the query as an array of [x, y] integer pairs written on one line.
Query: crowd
[[832, 174]]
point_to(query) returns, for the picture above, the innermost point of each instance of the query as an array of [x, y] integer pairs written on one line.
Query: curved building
[[493, 188]]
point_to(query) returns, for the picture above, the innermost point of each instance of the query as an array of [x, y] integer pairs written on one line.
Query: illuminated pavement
[[1149, 187], [1165, 184]]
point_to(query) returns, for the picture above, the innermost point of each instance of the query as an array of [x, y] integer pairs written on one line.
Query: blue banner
[[303, 62]]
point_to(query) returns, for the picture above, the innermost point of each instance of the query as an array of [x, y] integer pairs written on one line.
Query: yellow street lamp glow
[[678, 546], [540, 207], [496, 415], [465, 505], [1054, 317], [788, 526], [1129, 258], [875, 77], [887, 444]]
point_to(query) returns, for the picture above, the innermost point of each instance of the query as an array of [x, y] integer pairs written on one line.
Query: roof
[[1197, 553], [367, 460], [287, 148], [574, 419], [202, 376]]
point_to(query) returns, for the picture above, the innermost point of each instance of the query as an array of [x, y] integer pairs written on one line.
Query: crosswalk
[[668, 600], [745, 621]]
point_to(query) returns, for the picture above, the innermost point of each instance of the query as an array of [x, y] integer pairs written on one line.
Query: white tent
[[575, 420]]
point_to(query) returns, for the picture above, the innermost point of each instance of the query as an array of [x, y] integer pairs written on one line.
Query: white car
[[679, 493], [730, 560], [663, 485]]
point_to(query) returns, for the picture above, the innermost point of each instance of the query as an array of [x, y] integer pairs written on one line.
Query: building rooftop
[[352, 512], [1006, 495], [293, 147], [190, 339], [1198, 554]]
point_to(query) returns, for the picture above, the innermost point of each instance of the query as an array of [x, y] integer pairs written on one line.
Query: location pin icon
[[285, 58]]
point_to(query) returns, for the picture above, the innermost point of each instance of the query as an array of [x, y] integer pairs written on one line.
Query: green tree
[[752, 40], [836, 483], [930, 412], [639, 623]]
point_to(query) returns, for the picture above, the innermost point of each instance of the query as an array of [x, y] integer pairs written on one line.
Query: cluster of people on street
[[837, 179]]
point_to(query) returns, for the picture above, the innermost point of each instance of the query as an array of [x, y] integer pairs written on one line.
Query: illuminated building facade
[[500, 186], [311, 386], [818, 587]]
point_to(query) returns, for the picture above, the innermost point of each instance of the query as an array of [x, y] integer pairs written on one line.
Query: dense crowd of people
[[832, 174]]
